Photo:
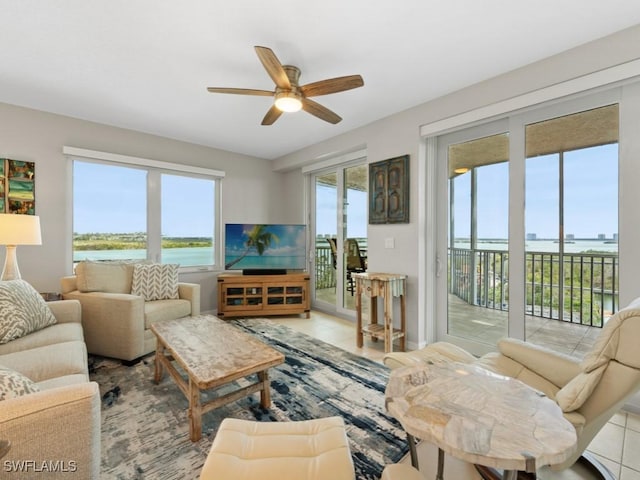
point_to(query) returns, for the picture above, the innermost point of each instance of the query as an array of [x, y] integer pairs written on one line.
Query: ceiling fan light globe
[[288, 102]]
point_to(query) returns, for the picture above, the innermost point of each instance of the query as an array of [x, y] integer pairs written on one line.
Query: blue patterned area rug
[[145, 432]]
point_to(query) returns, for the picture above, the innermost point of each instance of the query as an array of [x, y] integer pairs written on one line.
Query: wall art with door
[[389, 191]]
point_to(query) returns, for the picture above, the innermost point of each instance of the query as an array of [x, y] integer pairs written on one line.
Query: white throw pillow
[[14, 384], [22, 310], [155, 281]]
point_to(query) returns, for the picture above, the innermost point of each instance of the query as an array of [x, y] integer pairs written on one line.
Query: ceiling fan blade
[[319, 111], [332, 85], [272, 115], [273, 67], [241, 91]]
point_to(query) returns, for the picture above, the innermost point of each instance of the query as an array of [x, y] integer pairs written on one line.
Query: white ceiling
[[145, 64]]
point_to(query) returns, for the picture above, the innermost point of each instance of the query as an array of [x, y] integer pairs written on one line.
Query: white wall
[[39, 137], [399, 134]]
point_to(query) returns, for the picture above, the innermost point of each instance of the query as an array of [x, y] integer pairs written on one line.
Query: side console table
[[387, 286]]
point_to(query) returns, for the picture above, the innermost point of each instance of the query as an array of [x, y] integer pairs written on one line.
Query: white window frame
[[155, 169]]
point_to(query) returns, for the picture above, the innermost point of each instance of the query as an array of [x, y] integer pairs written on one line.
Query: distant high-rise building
[[569, 236], [531, 236], [615, 237], [601, 236]]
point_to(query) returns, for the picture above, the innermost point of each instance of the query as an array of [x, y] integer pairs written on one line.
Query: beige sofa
[[57, 427], [116, 322]]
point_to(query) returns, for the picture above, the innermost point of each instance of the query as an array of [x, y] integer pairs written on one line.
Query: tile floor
[[617, 445]]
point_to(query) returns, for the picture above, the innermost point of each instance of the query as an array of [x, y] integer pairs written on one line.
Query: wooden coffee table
[[211, 353]]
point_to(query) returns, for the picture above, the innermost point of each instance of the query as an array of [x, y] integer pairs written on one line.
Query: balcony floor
[[488, 326]]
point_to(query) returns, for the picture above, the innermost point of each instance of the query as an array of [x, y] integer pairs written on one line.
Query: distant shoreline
[[577, 245], [132, 241], [504, 240]]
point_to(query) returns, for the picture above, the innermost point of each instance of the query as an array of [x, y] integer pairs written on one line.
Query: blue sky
[[326, 212], [590, 196], [110, 199], [101, 207], [114, 200]]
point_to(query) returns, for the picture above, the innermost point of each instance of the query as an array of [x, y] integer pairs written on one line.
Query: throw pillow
[[155, 281], [575, 393], [14, 384], [22, 310]]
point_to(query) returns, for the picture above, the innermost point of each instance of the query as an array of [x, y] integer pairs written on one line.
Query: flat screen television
[[260, 249]]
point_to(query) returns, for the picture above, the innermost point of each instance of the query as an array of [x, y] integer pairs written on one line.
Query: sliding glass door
[[527, 228], [339, 222], [475, 242]]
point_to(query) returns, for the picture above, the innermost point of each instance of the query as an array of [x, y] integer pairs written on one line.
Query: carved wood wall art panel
[[389, 191]]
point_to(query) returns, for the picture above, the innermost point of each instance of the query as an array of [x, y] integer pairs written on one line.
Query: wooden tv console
[[262, 295]]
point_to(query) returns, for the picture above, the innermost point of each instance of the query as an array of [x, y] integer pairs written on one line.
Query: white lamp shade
[[19, 229]]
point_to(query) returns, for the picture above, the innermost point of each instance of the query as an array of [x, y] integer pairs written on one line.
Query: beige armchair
[[116, 322], [589, 392]]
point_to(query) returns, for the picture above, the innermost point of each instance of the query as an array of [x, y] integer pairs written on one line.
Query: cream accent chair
[[116, 323], [589, 392]]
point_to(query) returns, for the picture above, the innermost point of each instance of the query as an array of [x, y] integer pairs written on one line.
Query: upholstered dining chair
[[589, 392]]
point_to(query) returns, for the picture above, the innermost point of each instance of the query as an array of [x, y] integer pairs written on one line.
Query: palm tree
[[259, 239]]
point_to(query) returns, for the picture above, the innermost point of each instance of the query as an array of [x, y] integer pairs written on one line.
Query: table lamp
[[17, 230]]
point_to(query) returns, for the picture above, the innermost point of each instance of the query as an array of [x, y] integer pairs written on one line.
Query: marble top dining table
[[480, 417]]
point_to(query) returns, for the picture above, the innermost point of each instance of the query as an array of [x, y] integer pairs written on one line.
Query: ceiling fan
[[291, 97]]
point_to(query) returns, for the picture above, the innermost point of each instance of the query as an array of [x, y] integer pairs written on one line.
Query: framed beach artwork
[[389, 191], [17, 187]]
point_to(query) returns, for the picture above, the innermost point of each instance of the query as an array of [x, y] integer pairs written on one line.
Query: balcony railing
[[325, 273], [584, 290]]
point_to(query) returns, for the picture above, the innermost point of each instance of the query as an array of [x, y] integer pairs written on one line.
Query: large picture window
[[126, 212]]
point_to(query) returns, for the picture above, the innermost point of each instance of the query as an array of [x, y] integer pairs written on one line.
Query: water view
[[188, 256]]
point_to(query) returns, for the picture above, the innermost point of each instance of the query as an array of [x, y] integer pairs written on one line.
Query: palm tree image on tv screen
[[264, 247]]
